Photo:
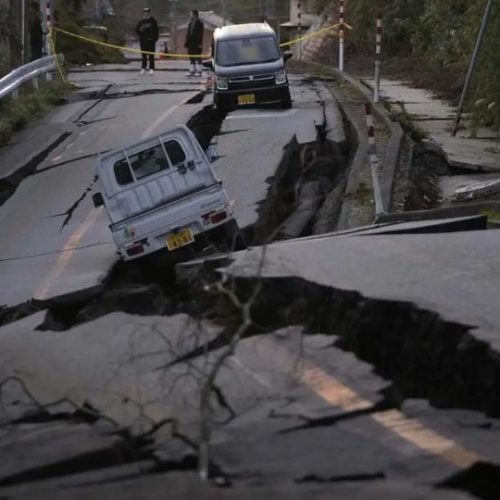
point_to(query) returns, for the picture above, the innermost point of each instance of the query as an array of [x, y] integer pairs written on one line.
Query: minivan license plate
[[246, 99], [180, 239]]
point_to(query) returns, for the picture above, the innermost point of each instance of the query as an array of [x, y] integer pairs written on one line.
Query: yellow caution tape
[[316, 33], [197, 56], [128, 49], [53, 49]]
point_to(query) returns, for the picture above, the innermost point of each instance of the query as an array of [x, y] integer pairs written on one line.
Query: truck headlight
[[221, 82], [280, 76]]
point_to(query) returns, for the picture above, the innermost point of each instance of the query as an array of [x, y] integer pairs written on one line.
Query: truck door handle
[[191, 165]]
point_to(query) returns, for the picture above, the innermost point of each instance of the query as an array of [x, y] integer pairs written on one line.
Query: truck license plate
[[246, 99], [180, 239]]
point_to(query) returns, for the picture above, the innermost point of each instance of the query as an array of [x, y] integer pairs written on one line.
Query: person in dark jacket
[[147, 31], [36, 32], [194, 43]]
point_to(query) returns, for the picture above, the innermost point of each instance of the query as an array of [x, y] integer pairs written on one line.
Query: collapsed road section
[[307, 173]]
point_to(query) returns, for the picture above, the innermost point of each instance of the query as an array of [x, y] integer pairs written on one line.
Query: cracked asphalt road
[[294, 414]]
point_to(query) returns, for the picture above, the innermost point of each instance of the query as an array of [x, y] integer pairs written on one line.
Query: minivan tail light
[[280, 76]]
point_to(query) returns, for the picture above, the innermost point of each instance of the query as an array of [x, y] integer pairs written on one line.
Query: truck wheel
[[221, 104], [232, 239], [287, 101]]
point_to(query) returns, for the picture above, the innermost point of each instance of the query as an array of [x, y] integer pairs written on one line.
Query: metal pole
[[373, 158], [341, 36], [378, 51], [23, 30], [48, 18], [299, 16], [475, 56], [224, 12], [175, 26]]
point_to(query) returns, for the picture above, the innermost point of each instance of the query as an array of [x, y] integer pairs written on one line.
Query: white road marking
[[165, 115], [261, 380]]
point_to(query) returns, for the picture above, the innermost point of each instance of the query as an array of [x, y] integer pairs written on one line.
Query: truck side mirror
[[287, 55], [208, 63], [97, 199]]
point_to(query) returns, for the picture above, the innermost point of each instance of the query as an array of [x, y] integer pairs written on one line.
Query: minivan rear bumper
[[271, 94]]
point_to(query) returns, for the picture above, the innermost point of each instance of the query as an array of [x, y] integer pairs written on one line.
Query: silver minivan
[[249, 67]]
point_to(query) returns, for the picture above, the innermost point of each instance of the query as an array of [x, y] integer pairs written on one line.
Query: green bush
[[17, 113], [77, 51]]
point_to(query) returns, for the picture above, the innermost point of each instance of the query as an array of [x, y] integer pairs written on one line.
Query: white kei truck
[[163, 194]]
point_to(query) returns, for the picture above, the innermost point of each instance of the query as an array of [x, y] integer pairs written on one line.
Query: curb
[[394, 145], [440, 213]]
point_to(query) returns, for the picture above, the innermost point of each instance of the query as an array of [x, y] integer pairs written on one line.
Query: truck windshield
[[247, 51]]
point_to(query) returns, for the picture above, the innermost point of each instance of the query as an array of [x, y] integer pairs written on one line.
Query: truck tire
[[229, 238], [221, 104], [287, 101]]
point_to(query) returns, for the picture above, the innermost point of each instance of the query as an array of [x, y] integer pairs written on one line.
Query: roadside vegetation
[[69, 17], [17, 113], [6, 30], [431, 42]]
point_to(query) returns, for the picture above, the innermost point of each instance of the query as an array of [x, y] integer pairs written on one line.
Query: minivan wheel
[[221, 104], [287, 101]]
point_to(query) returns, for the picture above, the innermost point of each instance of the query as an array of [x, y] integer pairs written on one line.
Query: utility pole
[[475, 56], [173, 24], [224, 12], [23, 31]]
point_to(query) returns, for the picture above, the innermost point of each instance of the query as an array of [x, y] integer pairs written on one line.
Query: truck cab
[[162, 194]]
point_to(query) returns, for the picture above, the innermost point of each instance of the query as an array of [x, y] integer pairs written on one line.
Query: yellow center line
[[69, 249], [338, 394], [411, 430], [66, 254]]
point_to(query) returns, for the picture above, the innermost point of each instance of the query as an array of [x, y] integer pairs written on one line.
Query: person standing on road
[[194, 43], [147, 31]]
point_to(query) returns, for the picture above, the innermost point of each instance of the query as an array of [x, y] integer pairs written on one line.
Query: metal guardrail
[[10, 83]]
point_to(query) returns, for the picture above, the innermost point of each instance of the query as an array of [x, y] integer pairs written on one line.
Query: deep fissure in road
[[454, 368], [422, 354]]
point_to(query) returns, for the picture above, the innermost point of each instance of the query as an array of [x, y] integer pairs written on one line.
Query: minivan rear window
[[251, 50]]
